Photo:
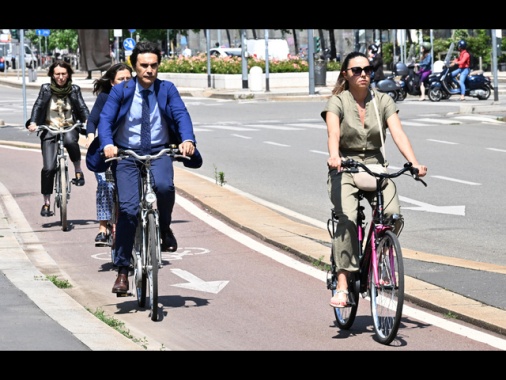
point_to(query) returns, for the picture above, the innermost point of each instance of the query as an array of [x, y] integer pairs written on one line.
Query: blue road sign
[[128, 44], [43, 32], [131, 30]]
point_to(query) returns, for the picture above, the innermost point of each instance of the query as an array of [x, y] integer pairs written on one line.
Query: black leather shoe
[[169, 242], [121, 284], [101, 239], [79, 180], [46, 211]]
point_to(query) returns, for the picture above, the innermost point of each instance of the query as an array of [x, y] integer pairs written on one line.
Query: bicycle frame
[[146, 255], [62, 183]]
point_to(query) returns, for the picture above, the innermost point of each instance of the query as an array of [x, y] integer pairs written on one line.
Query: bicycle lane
[[238, 311]]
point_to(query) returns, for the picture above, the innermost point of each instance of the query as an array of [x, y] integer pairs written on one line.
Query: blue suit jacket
[[172, 109]]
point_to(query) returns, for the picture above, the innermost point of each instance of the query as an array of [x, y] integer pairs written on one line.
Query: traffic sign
[[128, 44], [43, 32], [132, 30]]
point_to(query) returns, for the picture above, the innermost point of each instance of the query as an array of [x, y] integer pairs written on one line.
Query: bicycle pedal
[[125, 294]]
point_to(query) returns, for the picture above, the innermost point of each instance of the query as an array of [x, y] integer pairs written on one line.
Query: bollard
[[255, 78]]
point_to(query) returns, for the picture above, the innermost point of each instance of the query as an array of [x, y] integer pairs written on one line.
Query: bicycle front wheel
[[63, 176], [387, 297], [153, 250]]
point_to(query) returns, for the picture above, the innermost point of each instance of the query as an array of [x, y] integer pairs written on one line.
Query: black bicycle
[[146, 255], [381, 268], [62, 181]]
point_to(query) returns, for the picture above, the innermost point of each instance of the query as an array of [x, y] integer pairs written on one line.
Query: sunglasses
[[358, 70]]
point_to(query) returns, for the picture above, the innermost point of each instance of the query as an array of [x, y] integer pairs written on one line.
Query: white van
[[12, 51], [278, 49]]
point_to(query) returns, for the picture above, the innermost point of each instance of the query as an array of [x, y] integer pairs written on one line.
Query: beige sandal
[[338, 300]]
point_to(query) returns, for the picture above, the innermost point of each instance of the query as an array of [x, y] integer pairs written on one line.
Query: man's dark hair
[[145, 47]]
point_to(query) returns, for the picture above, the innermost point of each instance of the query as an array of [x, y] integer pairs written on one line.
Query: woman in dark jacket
[[59, 104], [117, 73]]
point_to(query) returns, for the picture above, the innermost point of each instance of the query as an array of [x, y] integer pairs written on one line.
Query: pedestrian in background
[[376, 60], [425, 68], [117, 73]]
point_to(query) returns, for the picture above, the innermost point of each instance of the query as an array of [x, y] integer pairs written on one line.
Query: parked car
[[225, 52]]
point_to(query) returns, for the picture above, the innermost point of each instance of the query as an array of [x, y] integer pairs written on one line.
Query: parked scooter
[[442, 85], [388, 85]]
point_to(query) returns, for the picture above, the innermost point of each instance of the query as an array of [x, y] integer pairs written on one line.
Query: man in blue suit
[[120, 127]]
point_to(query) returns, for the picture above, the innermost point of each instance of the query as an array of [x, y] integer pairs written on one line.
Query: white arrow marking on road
[[452, 210], [195, 283]]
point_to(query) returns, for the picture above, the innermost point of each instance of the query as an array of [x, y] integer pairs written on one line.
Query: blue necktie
[[145, 124]]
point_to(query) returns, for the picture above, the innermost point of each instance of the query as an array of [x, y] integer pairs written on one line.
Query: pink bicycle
[[381, 269]]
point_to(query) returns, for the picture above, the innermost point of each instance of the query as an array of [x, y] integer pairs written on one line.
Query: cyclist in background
[[348, 112], [117, 73], [59, 104]]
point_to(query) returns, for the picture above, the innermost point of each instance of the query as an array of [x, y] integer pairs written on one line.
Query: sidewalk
[[77, 329]]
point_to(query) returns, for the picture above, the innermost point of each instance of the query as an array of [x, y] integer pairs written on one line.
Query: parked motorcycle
[[388, 85], [442, 85]]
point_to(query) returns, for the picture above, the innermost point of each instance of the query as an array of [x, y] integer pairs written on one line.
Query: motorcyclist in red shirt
[[464, 62]]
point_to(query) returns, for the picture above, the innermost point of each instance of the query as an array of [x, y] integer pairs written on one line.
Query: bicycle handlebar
[[353, 166], [55, 130], [172, 151]]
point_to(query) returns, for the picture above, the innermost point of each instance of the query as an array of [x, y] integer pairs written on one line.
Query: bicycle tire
[[139, 261], [345, 316], [152, 250], [63, 174], [111, 227], [387, 299]]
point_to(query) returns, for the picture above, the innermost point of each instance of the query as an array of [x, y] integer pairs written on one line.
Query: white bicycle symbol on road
[[178, 255]]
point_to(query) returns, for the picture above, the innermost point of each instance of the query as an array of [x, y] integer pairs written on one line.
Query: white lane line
[[456, 180], [241, 136], [441, 121], [322, 276], [270, 126], [443, 142], [277, 144], [307, 125]]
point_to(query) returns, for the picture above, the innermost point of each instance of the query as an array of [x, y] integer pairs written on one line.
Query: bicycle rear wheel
[[387, 299], [63, 178], [139, 261], [345, 316], [153, 249]]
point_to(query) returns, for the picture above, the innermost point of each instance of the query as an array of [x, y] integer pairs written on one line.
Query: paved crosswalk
[[238, 126]]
